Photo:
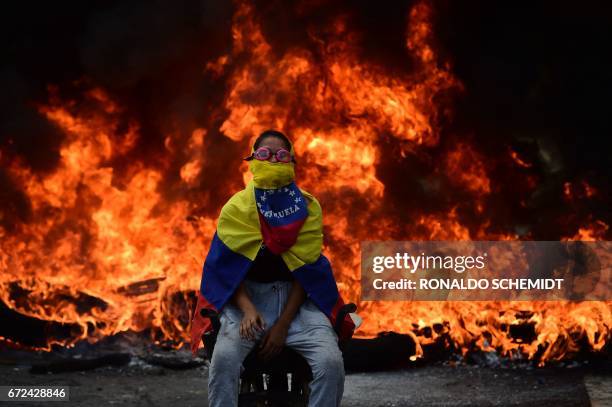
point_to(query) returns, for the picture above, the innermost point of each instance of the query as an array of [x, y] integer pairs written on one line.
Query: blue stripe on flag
[[281, 206], [318, 281], [223, 271]]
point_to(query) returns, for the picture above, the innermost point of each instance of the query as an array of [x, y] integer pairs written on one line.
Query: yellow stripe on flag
[[239, 229]]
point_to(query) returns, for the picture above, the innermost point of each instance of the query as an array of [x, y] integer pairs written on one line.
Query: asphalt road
[[143, 385]]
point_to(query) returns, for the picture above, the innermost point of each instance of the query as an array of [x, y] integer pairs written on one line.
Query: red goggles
[[264, 153]]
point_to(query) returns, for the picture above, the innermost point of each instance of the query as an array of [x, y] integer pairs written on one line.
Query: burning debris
[[111, 238]]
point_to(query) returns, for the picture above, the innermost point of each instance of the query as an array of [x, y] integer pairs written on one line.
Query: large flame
[[109, 246]]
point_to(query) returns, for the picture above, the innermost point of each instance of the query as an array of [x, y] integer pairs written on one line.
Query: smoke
[[536, 80], [147, 55]]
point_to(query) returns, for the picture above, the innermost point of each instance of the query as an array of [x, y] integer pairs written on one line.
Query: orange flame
[[111, 233]]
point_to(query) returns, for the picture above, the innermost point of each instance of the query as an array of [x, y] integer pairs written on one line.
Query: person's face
[[274, 144]]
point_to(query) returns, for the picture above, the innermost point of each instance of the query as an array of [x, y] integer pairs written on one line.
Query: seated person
[[266, 275]]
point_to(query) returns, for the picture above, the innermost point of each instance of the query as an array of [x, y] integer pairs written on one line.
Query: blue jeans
[[310, 334]]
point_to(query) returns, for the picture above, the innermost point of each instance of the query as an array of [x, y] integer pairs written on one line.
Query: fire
[[114, 242], [95, 232]]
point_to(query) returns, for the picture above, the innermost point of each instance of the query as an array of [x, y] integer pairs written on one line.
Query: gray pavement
[[143, 385]]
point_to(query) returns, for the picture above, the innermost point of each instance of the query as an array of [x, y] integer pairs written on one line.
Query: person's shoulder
[[238, 201], [309, 197], [314, 207]]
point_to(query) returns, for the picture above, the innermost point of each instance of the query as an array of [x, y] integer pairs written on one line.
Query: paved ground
[[143, 385], [599, 387]]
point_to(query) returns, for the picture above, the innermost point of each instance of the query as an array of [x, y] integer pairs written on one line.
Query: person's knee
[[224, 361], [328, 364]]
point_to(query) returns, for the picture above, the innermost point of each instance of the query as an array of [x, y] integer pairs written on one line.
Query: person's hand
[[273, 341], [252, 321]]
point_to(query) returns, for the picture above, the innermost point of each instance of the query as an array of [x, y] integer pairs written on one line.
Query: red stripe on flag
[[348, 326], [199, 324], [280, 239]]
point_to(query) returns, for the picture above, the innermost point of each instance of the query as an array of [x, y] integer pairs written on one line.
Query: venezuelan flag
[[288, 221]]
